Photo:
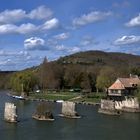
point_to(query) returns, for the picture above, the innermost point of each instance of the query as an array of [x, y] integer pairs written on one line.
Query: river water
[[92, 125]]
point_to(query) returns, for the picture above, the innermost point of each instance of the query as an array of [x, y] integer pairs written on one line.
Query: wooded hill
[[101, 58], [89, 70]]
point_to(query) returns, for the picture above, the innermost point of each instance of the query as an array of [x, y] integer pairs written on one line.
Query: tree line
[[59, 76]]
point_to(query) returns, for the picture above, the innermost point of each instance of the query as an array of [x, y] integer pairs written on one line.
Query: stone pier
[[108, 107], [10, 112], [113, 107]]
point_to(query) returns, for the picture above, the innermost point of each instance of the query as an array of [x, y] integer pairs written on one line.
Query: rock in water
[[10, 112]]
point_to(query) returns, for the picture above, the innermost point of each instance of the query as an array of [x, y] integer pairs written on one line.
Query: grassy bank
[[91, 98], [52, 96], [68, 96]]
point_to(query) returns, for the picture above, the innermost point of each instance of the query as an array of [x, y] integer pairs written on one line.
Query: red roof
[[129, 82], [122, 83], [117, 85]]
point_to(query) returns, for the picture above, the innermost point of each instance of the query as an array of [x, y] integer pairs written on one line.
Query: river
[[92, 125]]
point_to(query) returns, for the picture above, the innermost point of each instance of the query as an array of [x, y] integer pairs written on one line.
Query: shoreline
[[55, 101]]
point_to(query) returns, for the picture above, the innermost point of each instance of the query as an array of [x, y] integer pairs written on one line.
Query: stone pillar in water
[[68, 108], [10, 112]]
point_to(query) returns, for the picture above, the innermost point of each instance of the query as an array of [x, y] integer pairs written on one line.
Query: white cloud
[[134, 22], [54, 40], [34, 43], [8, 19], [22, 29], [13, 60], [60, 47], [87, 41], [5, 53], [14, 53], [61, 36], [91, 17], [50, 24], [41, 12], [74, 49], [6, 62], [9, 16], [15, 15], [8, 28], [127, 40], [27, 28], [23, 53], [122, 4]]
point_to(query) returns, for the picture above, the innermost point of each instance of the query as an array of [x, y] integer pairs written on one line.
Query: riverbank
[[92, 99]]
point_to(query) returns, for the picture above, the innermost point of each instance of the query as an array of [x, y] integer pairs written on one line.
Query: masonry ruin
[[10, 112]]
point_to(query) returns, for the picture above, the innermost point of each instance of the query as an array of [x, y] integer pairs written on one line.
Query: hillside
[[88, 69], [101, 58]]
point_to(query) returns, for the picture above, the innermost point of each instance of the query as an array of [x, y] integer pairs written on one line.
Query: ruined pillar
[[10, 112]]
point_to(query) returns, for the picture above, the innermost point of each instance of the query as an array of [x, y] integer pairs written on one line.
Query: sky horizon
[[32, 30]]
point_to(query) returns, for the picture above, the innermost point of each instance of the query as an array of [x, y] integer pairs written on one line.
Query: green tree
[[135, 71], [92, 81], [73, 77], [85, 82], [42, 74], [51, 75], [106, 77], [24, 81]]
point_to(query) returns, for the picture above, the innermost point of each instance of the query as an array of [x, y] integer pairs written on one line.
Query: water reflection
[[131, 116]]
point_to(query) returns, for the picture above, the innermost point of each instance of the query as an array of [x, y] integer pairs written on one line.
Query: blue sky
[[33, 29]]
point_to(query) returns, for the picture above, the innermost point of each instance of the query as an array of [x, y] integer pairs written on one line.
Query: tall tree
[[42, 74], [106, 77]]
